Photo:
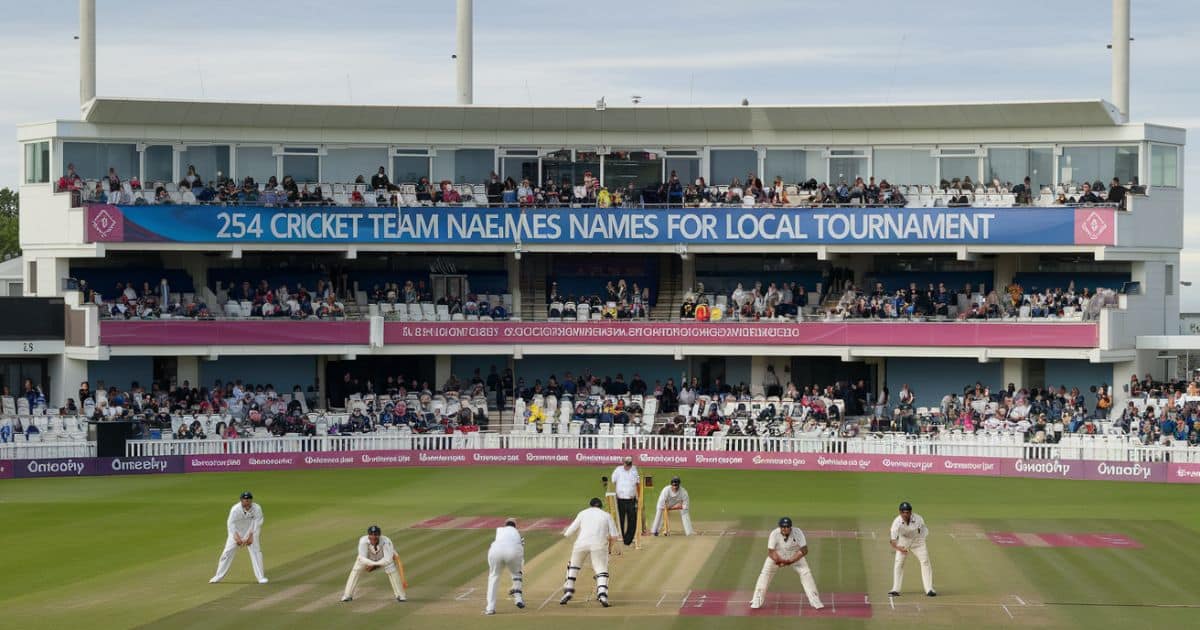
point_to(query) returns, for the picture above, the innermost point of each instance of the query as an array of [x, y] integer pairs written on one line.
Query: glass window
[[474, 166], [637, 167], [93, 159], [793, 165], [210, 161], [256, 162], [688, 169], [728, 164], [905, 166], [408, 169], [1012, 166], [518, 168], [846, 168], [37, 163], [1089, 164], [305, 168], [959, 168], [344, 165], [158, 164], [1164, 165]]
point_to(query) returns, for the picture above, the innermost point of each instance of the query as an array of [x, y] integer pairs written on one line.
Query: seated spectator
[[448, 194], [1117, 193], [380, 181], [424, 190], [1088, 196]]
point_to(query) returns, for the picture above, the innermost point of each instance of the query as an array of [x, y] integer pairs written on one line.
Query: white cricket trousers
[[360, 568], [599, 559], [231, 547], [509, 558], [683, 516], [806, 580], [922, 553]]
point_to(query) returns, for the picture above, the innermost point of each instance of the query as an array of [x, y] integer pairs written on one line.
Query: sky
[[669, 52]]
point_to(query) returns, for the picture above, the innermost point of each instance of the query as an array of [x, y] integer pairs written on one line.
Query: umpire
[[626, 478]]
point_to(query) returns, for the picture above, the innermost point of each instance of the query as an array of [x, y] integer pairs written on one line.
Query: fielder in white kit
[[673, 497], [786, 547], [506, 552], [375, 551], [244, 526], [908, 536], [597, 532]]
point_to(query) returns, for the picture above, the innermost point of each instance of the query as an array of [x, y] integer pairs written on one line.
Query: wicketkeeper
[[376, 551], [673, 498]]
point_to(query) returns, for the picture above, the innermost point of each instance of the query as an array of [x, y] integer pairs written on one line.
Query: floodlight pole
[[87, 51], [465, 57], [1120, 57]]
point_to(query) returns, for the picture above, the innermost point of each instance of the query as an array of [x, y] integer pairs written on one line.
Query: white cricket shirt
[[786, 547], [595, 527], [508, 537], [910, 533], [378, 555], [626, 482], [243, 521], [669, 499]]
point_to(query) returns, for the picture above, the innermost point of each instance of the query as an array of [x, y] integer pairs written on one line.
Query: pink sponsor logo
[[1184, 473], [105, 224], [1095, 226]]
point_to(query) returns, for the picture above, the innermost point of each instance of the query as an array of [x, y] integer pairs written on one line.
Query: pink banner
[[6, 469], [189, 332], [1095, 226], [1184, 473], [930, 334]]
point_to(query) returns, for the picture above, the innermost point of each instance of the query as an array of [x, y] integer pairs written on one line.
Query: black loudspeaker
[[110, 438]]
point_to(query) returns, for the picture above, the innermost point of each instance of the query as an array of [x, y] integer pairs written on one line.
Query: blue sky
[[667, 51]]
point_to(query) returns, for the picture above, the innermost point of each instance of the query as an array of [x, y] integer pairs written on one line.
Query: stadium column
[[46, 275], [512, 265], [1015, 371], [442, 370], [688, 275], [65, 375], [187, 369], [1004, 270]]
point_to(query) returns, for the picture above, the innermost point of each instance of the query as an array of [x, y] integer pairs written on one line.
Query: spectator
[[380, 181], [1117, 193], [1088, 196]]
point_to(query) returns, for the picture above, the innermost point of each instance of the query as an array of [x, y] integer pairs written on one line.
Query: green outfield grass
[[137, 551]]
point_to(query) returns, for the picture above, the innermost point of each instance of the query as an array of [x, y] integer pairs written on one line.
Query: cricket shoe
[[347, 599], [931, 594], [604, 601], [756, 602], [565, 598], [893, 594], [520, 603], [817, 604], [401, 599], [214, 581], [489, 612], [263, 581]]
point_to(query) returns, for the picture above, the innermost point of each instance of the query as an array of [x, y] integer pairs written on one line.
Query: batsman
[[376, 551]]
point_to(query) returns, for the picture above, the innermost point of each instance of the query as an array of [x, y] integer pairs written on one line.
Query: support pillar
[[442, 370], [187, 369], [65, 375], [512, 264]]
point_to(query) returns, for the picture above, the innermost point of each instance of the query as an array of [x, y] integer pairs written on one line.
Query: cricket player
[[908, 535], [673, 497], [597, 532], [625, 477], [245, 530], [506, 552], [786, 546], [376, 551]]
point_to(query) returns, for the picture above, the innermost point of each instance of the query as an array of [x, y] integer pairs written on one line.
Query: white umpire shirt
[[787, 548], [508, 537], [379, 555], [911, 533], [626, 482], [595, 527], [242, 521]]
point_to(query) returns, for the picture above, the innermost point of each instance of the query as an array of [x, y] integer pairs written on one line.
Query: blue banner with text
[[426, 225]]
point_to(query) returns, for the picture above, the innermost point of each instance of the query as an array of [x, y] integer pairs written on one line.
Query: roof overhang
[[126, 111]]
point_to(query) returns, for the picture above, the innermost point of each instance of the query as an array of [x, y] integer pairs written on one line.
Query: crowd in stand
[[969, 304], [791, 299], [751, 191], [617, 301], [416, 292]]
